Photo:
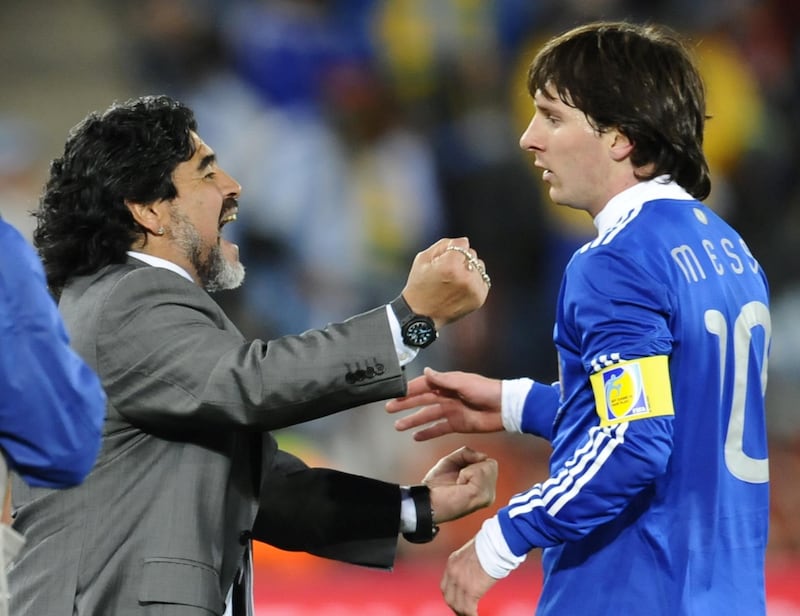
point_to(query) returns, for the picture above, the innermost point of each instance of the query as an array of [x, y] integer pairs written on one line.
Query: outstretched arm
[[470, 403], [451, 402]]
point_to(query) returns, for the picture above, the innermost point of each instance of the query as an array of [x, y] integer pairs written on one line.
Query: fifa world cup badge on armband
[[624, 393], [632, 390]]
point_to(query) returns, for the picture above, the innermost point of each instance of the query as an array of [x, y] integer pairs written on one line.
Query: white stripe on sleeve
[[577, 472]]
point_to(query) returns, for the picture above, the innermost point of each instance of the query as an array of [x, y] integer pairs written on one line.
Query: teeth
[[227, 219]]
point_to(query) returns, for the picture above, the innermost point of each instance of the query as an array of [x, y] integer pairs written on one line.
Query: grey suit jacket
[[188, 472]]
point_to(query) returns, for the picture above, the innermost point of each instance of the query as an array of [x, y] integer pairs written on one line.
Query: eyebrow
[[206, 161]]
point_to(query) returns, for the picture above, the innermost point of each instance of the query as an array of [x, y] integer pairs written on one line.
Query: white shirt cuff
[[493, 552], [404, 353], [408, 511], [512, 402]]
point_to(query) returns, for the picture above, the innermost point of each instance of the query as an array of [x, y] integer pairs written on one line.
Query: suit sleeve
[[51, 404], [170, 358], [328, 513]]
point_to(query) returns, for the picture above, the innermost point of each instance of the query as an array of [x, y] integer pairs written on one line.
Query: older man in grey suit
[[129, 233]]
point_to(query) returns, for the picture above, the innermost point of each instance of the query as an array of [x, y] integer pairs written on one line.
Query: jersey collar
[[630, 198]]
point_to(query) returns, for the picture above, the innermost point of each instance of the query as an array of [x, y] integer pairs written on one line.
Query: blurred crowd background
[[363, 130]]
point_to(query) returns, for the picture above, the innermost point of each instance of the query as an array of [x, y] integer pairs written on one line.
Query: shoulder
[[10, 235], [23, 287], [135, 275], [18, 255], [136, 289], [121, 291], [627, 262], [132, 280], [641, 238], [643, 225]]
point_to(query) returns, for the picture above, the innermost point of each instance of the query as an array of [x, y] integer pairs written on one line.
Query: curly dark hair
[[127, 153], [640, 80]]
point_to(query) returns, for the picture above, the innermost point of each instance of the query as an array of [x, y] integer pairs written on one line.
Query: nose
[[528, 141], [229, 186]]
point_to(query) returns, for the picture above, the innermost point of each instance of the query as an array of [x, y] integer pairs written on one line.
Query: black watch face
[[420, 333]]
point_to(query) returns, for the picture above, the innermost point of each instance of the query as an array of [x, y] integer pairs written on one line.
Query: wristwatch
[[417, 330], [426, 529]]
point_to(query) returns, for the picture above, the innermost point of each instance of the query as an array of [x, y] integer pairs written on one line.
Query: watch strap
[[426, 529], [402, 310]]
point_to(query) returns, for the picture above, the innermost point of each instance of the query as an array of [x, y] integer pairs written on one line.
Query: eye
[[210, 175], [548, 116]]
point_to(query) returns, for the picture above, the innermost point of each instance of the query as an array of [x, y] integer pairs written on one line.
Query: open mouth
[[230, 212]]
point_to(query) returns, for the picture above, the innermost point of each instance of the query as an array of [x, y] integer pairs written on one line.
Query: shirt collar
[[658, 188], [159, 262]]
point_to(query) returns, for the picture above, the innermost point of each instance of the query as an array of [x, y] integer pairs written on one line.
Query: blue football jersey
[[658, 497], [52, 405]]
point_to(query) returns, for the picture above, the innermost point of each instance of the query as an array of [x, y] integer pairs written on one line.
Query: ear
[[621, 146], [150, 216]]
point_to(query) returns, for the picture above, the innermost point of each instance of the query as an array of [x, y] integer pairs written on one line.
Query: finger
[[472, 473], [434, 431], [416, 386], [457, 603], [461, 242], [436, 380], [440, 248], [426, 415], [466, 455], [484, 466], [411, 402]]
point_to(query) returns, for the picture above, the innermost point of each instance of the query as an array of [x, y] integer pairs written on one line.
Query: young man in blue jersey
[[51, 403], [657, 501]]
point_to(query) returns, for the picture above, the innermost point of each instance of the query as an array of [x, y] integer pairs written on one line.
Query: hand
[[441, 286], [464, 581], [453, 401], [461, 483]]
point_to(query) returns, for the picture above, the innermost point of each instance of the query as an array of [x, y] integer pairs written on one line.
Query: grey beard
[[215, 272], [221, 275]]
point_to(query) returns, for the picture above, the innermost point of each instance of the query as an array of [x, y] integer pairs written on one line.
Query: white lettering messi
[[723, 258]]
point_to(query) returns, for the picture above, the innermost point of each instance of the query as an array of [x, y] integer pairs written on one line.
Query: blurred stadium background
[[361, 131]]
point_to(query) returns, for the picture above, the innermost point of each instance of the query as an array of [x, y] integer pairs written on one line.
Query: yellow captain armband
[[633, 389]]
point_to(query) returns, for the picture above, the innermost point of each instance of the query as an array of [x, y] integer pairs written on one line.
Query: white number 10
[[752, 315]]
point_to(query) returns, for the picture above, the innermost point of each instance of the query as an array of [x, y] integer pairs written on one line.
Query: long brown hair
[[640, 80]]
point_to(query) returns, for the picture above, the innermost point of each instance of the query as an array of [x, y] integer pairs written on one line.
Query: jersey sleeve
[[52, 405], [529, 406], [610, 313]]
